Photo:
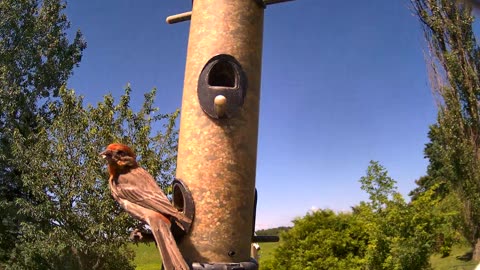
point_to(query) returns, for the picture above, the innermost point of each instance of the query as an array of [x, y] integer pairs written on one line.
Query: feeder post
[[219, 128]]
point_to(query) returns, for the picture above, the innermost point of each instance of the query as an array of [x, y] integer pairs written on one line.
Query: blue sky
[[343, 82]]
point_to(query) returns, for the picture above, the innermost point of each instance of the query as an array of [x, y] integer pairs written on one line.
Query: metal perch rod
[[270, 2], [186, 16]]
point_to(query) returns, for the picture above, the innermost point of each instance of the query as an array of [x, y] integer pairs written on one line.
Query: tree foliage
[[56, 209], [404, 235], [36, 58], [384, 232], [379, 186], [454, 62], [321, 240], [272, 231], [75, 224]]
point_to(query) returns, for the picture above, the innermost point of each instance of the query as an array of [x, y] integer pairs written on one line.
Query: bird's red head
[[119, 157], [121, 148]]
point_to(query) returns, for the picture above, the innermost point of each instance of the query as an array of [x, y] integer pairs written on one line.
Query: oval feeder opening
[[182, 200], [178, 199], [222, 74], [222, 87]]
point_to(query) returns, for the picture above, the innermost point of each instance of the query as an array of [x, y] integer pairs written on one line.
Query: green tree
[[56, 210], [384, 232], [379, 186], [76, 224], [402, 235], [454, 149], [36, 58], [272, 231], [321, 240]]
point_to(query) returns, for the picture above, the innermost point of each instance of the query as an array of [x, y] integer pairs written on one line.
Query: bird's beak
[[105, 153]]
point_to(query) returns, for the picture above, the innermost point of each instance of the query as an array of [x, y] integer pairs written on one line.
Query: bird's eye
[[121, 153]]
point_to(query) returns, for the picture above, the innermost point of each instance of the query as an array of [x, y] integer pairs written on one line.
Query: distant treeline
[[273, 231]]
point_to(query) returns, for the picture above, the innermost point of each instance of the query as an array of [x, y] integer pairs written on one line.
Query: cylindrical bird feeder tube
[[219, 128]]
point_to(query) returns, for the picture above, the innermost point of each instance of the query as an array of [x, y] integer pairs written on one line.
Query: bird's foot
[[136, 235], [139, 235]]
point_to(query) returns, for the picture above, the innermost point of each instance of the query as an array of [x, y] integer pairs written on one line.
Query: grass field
[[147, 257], [266, 251], [454, 261]]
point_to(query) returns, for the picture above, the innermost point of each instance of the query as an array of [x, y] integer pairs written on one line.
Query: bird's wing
[[139, 187]]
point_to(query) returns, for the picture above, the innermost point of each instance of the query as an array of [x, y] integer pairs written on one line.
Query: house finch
[[137, 192]]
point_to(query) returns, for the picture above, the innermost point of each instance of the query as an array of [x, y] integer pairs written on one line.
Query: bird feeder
[[219, 130]]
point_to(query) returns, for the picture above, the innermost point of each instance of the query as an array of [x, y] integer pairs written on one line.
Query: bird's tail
[[171, 256]]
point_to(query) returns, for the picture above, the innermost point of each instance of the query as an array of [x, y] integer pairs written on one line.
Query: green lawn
[[266, 251], [147, 257], [454, 261]]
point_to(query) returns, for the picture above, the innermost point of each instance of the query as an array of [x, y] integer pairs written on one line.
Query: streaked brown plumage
[[137, 192]]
